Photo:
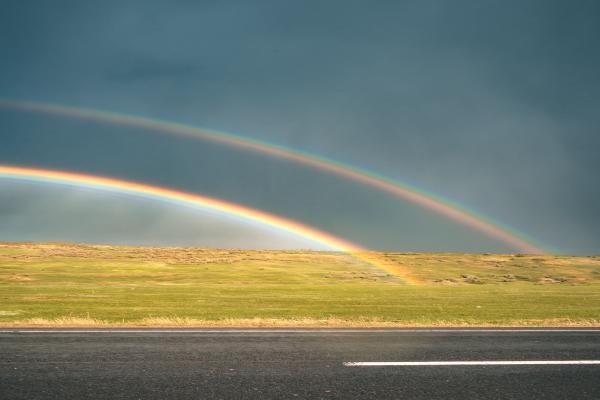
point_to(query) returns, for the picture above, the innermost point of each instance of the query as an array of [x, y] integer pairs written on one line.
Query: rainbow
[[178, 197], [400, 190], [196, 201]]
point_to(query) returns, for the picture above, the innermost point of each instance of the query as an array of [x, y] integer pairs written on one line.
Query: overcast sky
[[492, 104]]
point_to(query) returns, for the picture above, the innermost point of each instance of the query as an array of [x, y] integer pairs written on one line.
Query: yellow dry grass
[[71, 285], [179, 322]]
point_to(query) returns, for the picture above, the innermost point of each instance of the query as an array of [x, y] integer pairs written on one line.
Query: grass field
[[67, 284]]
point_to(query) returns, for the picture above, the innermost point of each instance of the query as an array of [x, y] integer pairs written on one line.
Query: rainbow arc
[[199, 201], [426, 200]]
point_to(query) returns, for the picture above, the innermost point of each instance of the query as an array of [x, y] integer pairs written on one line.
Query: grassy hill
[[70, 284]]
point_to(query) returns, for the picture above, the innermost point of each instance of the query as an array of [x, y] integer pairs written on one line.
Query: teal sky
[[493, 104]]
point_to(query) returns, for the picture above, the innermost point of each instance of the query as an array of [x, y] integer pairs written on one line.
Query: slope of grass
[[66, 284]]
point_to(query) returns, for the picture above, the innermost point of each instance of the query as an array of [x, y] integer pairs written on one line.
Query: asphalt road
[[296, 364]]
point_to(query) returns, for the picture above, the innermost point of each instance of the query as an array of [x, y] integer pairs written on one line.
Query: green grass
[[50, 283]]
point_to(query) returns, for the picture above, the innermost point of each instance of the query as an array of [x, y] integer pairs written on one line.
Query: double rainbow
[[400, 190]]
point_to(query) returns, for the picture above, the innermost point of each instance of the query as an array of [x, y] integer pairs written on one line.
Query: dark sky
[[492, 104]]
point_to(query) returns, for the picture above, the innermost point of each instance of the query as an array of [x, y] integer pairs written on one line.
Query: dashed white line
[[466, 363]]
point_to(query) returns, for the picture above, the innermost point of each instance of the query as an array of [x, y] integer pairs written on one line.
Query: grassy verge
[[79, 285], [176, 322]]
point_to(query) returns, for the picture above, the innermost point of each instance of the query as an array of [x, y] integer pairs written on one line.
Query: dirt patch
[[17, 278], [449, 282], [473, 279], [9, 313], [549, 279]]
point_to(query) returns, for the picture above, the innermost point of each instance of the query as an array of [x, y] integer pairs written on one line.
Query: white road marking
[[307, 330], [466, 363]]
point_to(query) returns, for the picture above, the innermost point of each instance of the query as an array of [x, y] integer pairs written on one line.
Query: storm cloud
[[491, 104]]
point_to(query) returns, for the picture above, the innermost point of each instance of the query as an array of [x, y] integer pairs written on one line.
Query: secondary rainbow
[[400, 190]]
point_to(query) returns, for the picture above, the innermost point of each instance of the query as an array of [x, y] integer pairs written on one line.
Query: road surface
[[278, 364]]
